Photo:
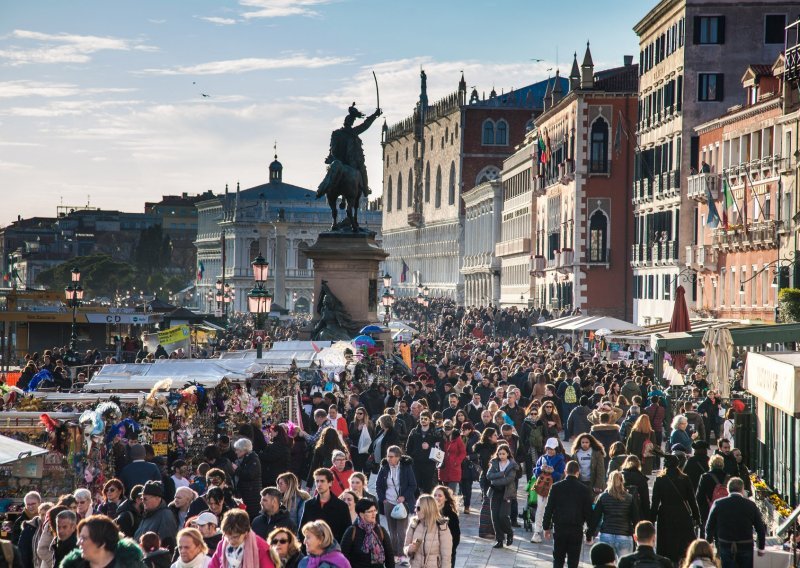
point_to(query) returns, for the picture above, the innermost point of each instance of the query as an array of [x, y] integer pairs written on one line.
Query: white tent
[[12, 450], [592, 323], [556, 323]]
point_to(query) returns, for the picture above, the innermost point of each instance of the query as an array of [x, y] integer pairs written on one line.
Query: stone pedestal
[[349, 262]]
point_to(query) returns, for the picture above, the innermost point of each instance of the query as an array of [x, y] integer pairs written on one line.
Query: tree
[[789, 305], [153, 252], [101, 275]]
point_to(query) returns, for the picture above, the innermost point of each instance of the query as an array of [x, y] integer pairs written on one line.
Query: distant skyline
[[116, 104]]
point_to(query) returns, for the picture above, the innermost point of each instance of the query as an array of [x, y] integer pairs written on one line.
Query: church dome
[[275, 170]]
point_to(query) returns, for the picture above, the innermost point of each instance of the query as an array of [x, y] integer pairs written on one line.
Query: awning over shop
[[592, 323], [775, 379], [556, 323], [12, 450]]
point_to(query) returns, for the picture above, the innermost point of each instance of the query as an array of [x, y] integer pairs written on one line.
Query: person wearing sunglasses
[[284, 548]]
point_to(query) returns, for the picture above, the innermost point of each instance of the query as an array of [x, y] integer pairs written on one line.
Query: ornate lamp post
[[74, 295], [259, 300], [387, 300]]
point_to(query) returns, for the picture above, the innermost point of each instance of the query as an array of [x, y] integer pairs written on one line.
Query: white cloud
[[281, 8], [25, 88], [248, 64], [11, 166], [64, 48], [157, 22], [217, 20]]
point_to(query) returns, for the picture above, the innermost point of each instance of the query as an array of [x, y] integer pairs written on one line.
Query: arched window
[[410, 196], [302, 255], [488, 132], [451, 185], [399, 191], [598, 162], [598, 237], [489, 173], [254, 250], [438, 195], [501, 133], [389, 195], [428, 182]]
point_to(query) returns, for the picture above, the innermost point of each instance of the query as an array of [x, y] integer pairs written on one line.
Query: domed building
[[276, 219]]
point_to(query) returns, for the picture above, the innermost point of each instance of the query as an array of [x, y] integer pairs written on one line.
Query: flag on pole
[[713, 215], [744, 205], [542, 150], [727, 202], [200, 270], [403, 271]]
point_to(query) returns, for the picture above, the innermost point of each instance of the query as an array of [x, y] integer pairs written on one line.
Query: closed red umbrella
[[679, 322]]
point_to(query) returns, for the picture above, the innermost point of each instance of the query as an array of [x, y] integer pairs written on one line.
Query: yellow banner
[[173, 335], [405, 353]]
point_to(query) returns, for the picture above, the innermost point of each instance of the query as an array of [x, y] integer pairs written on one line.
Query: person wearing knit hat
[[602, 554], [157, 517]]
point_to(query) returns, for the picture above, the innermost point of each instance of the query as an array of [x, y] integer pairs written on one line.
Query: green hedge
[[789, 305]]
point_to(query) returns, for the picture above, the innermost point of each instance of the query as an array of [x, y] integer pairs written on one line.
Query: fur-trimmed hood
[[127, 555]]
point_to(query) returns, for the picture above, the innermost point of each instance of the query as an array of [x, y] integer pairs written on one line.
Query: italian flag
[[727, 202]]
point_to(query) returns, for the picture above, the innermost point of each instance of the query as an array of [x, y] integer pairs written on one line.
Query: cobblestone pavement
[[474, 552]]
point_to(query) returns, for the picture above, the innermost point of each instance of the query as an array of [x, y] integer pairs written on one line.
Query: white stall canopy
[[774, 378], [12, 450]]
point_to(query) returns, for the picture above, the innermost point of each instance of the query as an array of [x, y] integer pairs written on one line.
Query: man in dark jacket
[[606, 433], [273, 514], [326, 506], [568, 509], [724, 449], [157, 517], [645, 536], [420, 442], [129, 512], [32, 501], [139, 471], [66, 536], [248, 475], [578, 421], [730, 524], [697, 464]]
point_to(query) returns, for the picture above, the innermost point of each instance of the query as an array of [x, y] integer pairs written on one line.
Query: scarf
[[244, 556], [372, 543], [196, 563], [331, 556]]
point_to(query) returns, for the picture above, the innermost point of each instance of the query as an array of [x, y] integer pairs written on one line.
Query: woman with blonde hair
[[284, 548], [615, 514], [642, 442], [323, 550], [293, 497], [192, 550], [428, 542], [700, 554]]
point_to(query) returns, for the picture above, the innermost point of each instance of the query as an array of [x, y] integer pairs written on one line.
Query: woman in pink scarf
[[240, 547]]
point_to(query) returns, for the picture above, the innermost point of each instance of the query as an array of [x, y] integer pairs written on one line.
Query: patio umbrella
[[679, 322], [709, 341], [724, 356]]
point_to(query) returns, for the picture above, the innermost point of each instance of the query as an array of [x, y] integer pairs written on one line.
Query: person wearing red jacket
[[454, 453]]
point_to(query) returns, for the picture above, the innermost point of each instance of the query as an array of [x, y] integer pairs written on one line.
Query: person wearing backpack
[[645, 556], [569, 393], [712, 486]]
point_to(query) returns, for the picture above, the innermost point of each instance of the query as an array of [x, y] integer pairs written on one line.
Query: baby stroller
[[529, 512]]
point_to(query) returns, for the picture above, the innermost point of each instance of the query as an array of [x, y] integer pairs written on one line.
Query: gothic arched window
[[451, 185], [488, 132], [598, 237], [438, 195], [598, 161], [389, 195], [410, 196], [399, 191], [501, 133], [428, 182]]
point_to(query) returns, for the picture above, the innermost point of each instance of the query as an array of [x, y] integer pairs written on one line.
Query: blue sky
[[103, 101]]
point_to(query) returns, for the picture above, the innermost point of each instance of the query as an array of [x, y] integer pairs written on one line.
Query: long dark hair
[[593, 443], [329, 440], [449, 501], [281, 438], [486, 434]]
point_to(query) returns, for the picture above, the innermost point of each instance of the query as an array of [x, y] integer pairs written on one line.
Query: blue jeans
[[622, 544]]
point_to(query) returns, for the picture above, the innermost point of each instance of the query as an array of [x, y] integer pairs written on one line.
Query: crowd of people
[[381, 473]]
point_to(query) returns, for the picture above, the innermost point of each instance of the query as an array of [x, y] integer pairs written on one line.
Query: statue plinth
[[349, 264]]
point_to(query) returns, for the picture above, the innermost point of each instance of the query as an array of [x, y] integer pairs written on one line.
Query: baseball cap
[[207, 519], [551, 443]]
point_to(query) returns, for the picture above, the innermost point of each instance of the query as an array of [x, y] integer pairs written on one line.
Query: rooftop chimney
[[628, 59]]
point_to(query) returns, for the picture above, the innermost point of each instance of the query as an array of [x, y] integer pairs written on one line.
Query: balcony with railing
[[754, 236], [698, 185], [664, 253], [537, 265], [705, 258], [512, 246], [565, 260], [299, 273]]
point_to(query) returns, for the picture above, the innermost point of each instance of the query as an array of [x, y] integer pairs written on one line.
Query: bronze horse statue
[[346, 182]]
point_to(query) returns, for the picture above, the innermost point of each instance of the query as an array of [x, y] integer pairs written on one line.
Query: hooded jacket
[[331, 558], [606, 434], [127, 555], [454, 454], [407, 483], [578, 422], [436, 548]]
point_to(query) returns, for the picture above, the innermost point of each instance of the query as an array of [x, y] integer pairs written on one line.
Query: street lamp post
[[387, 299], [259, 300], [74, 295]]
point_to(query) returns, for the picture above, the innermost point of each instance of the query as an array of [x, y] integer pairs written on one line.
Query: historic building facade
[[481, 268], [582, 158], [692, 54], [430, 160], [276, 219]]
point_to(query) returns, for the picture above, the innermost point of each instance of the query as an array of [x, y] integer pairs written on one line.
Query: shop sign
[[173, 335], [116, 319], [774, 379]]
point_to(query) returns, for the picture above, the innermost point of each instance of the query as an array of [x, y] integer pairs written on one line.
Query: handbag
[[364, 441], [543, 484], [437, 455], [399, 512]]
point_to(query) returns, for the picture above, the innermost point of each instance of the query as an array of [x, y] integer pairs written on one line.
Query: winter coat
[[407, 483], [421, 456], [678, 436], [597, 476], [557, 462], [467, 470], [630, 389], [696, 424], [353, 541], [606, 434], [578, 422], [42, 555], [505, 481], [25, 542], [675, 513], [331, 558], [636, 484], [275, 460], [162, 522], [127, 555], [696, 466], [248, 482], [634, 447], [297, 457], [62, 549], [705, 491], [614, 516], [160, 558], [436, 547], [454, 455], [341, 479], [264, 559], [616, 414], [262, 525]]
